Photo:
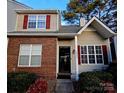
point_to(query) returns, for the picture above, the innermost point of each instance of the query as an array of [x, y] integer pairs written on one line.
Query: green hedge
[[90, 81], [104, 76], [19, 82], [113, 70]]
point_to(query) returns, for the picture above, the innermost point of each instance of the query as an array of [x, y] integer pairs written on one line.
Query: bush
[[40, 86], [103, 76], [113, 70], [90, 81], [19, 82]]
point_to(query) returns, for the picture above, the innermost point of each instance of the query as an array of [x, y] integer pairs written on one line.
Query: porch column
[[109, 51], [76, 58]]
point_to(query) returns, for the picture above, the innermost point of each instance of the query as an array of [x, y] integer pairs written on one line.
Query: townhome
[[40, 44]]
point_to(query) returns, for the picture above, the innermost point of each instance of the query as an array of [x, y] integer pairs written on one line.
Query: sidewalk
[[64, 86]]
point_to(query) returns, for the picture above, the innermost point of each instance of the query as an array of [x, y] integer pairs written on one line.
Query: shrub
[[90, 81], [103, 76], [113, 70], [40, 86], [19, 82]]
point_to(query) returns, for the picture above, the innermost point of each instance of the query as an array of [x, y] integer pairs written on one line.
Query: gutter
[[41, 34]]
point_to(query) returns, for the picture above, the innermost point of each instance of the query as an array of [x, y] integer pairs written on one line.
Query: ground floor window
[[91, 54], [30, 55]]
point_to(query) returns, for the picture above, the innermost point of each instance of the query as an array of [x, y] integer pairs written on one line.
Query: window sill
[[92, 64], [29, 66]]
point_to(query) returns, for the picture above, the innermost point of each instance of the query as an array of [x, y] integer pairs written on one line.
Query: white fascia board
[[105, 26], [94, 18]]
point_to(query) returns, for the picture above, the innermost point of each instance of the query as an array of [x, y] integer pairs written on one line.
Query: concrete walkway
[[64, 86]]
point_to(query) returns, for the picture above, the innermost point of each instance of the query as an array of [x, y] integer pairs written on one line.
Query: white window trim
[[91, 54], [29, 56], [36, 22]]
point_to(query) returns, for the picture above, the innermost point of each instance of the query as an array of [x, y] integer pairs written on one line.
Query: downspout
[[109, 51], [76, 58]]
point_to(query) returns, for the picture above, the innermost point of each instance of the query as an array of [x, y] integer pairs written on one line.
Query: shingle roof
[[69, 29], [24, 5]]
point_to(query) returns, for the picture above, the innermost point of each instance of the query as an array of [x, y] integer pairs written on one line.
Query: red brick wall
[[48, 63]]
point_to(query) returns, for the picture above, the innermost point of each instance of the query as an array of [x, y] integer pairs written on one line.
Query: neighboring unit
[[12, 5], [41, 45]]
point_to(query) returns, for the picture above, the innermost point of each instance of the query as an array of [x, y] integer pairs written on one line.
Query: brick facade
[[48, 62]]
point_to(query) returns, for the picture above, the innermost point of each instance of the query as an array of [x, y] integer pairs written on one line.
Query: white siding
[[11, 14]]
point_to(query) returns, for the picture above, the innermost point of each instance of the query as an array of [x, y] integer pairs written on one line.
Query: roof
[[70, 29], [21, 4], [38, 11], [34, 33]]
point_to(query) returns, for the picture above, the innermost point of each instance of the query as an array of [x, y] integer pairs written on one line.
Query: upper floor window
[[37, 21]]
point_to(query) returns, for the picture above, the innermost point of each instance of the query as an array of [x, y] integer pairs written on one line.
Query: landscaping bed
[[19, 82], [29, 83], [94, 82]]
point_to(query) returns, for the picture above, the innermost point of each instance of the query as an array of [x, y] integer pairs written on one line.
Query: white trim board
[[98, 21]]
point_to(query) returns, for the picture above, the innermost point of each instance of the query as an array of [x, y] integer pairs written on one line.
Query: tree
[[105, 10]]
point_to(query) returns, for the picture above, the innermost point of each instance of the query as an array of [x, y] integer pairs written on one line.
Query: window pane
[[36, 52], [33, 17], [41, 17], [25, 47], [91, 59], [24, 60], [98, 50], [91, 49], [83, 50], [22, 52], [36, 47], [32, 25], [41, 24], [84, 58], [99, 58], [35, 60]]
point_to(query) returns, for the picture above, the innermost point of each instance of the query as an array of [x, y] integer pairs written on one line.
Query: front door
[[64, 59]]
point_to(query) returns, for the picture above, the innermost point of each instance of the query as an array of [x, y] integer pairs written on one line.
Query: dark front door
[[64, 59]]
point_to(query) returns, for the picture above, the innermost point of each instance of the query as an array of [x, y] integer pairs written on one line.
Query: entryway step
[[64, 86], [64, 76]]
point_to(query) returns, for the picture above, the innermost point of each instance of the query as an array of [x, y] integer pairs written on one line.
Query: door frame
[[69, 57], [58, 57]]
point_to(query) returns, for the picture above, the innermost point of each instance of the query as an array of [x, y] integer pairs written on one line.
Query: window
[[41, 22], [99, 54], [30, 55], [84, 54], [32, 22], [91, 55], [37, 21]]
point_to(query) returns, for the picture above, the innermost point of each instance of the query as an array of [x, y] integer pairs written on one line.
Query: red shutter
[[105, 54], [79, 55], [48, 22], [25, 22]]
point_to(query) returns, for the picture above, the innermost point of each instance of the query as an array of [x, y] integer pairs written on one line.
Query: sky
[[46, 4]]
